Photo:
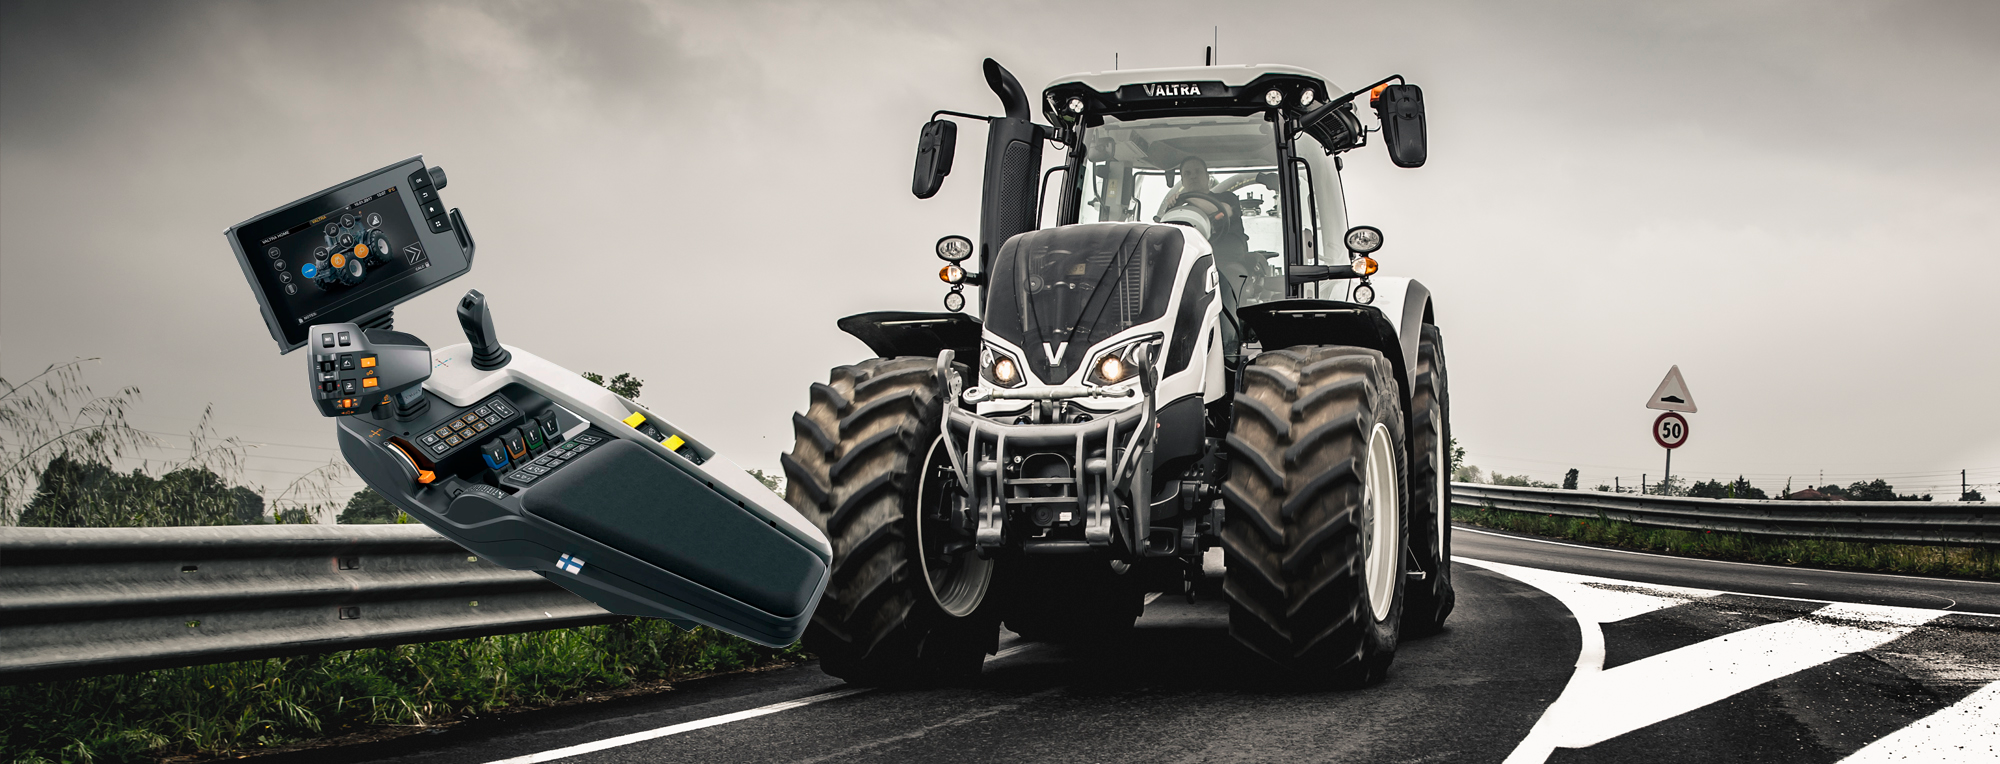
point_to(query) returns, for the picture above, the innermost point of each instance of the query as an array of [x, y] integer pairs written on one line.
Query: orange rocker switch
[[368, 362], [370, 381]]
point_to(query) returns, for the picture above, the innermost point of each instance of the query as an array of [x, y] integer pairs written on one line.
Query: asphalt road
[[1712, 662]]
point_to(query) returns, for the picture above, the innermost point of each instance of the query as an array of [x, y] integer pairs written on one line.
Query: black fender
[[1284, 323], [892, 333]]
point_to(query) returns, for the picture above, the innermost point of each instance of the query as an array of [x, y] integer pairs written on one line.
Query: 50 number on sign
[[1671, 430]]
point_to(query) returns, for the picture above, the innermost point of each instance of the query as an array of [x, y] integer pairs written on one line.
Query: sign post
[[1670, 430]]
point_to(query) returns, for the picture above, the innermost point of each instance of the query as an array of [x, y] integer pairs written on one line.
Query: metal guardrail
[[87, 601], [1894, 522]]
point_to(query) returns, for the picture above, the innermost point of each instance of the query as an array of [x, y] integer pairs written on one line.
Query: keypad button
[[345, 340], [441, 432], [440, 449], [589, 439], [483, 411], [453, 440], [492, 420], [542, 461], [346, 364], [537, 470], [525, 478], [430, 439], [468, 418], [480, 426], [440, 224], [501, 409]]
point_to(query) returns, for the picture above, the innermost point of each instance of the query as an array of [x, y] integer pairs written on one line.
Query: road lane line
[[637, 737], [1456, 527], [1966, 731], [1600, 704]]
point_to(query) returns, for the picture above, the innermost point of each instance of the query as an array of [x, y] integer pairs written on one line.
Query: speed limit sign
[[1670, 430]]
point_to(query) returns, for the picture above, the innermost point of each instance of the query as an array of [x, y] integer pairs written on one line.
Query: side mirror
[[935, 146], [1401, 108]]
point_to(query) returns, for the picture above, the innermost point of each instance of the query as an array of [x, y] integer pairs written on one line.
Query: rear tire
[[1430, 600], [1316, 540], [897, 610]]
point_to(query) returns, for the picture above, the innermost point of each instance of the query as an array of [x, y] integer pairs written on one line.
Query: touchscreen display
[[340, 257], [348, 252]]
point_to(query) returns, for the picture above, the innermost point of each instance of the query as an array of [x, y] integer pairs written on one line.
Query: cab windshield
[[1215, 174]]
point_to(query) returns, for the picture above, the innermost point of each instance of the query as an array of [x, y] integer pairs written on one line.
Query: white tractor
[[1195, 351]]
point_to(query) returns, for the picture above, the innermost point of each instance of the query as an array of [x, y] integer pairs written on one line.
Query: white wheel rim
[[1438, 468], [1379, 511], [966, 586]]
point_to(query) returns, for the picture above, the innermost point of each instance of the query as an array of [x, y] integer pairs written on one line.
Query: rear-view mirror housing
[[1401, 108], [935, 146]]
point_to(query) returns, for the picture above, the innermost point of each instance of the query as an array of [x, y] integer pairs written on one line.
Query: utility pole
[[1642, 483]]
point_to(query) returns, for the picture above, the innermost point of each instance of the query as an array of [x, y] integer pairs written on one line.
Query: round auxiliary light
[[954, 301], [951, 274], [1004, 371], [1075, 105], [1364, 265], [1273, 98], [954, 248], [1306, 98], [1112, 368], [1364, 294], [1363, 239]]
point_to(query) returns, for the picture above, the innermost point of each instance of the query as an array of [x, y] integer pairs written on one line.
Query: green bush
[[234, 708]]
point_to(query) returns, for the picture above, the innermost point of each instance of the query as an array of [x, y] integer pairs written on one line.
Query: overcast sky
[[1794, 201]]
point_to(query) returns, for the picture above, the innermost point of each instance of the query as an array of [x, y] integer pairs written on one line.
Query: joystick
[[477, 319]]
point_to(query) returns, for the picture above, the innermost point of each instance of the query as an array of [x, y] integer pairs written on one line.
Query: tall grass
[[1964, 562], [244, 707]]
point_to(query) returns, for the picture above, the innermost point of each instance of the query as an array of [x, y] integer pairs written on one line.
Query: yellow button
[[674, 443], [635, 419]]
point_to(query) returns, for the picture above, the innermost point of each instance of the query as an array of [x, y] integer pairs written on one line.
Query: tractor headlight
[[951, 274], [1075, 105], [1365, 266], [1306, 98], [1273, 98], [1364, 239], [999, 368], [1122, 363], [953, 249]]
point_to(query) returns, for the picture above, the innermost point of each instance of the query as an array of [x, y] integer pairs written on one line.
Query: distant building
[[1812, 495]]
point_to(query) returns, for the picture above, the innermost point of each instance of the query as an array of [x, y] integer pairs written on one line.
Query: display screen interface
[[333, 260]]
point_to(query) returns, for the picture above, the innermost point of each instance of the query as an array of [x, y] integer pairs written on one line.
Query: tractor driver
[[1193, 202]]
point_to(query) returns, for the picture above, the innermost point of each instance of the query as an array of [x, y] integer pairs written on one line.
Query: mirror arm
[[1306, 274], [1319, 112], [935, 114]]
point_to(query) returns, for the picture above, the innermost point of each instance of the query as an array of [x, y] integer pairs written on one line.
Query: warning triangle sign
[[1673, 393]]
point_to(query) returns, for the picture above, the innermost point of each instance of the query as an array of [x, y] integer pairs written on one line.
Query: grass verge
[[235, 708], [1948, 561]]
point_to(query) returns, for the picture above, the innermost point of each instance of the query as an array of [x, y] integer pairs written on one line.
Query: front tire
[[1431, 599], [904, 602], [1316, 538]]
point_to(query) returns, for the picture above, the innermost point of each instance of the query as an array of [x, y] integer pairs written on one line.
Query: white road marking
[[653, 734], [1598, 705], [636, 737], [1967, 731], [1153, 596], [1457, 528]]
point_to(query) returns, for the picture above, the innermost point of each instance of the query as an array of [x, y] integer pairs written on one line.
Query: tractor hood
[[1055, 293]]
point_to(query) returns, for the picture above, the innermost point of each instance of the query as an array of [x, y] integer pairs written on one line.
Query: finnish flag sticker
[[570, 563]]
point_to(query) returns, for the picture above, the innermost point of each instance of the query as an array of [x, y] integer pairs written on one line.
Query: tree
[[1458, 460], [1742, 489], [1878, 490], [1669, 486], [1569, 480], [368, 506], [55, 415], [624, 384], [76, 494], [1708, 489], [1971, 494]]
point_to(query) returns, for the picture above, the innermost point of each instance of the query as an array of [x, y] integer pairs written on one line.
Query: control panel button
[[483, 411], [347, 363], [453, 440], [345, 340], [440, 224], [440, 448], [370, 381], [420, 179], [326, 340], [432, 208], [368, 362], [494, 454], [347, 387], [501, 409], [480, 426], [493, 420], [430, 439], [441, 431]]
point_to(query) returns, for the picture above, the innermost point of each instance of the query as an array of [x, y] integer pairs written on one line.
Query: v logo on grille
[[1055, 353]]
